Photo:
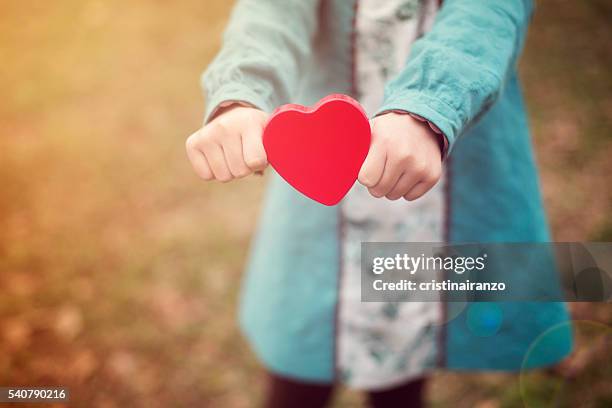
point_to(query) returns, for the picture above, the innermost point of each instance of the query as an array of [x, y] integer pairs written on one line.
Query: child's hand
[[404, 158], [230, 146]]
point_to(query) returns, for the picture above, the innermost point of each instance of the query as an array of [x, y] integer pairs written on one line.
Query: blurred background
[[119, 270]]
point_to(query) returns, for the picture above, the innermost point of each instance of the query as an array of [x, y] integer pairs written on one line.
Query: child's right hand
[[230, 146]]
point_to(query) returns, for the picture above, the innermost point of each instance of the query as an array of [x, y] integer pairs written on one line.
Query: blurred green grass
[[119, 270]]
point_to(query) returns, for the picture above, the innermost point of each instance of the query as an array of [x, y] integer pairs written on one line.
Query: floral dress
[[380, 344]]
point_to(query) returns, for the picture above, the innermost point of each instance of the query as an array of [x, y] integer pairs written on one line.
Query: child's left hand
[[404, 158]]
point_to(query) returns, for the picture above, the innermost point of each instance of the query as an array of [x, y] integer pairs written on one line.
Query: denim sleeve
[[264, 48], [456, 71]]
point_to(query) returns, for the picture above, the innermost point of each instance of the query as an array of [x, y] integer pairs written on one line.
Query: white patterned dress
[[383, 344]]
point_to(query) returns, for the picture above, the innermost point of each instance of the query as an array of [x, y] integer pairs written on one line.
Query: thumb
[[372, 169]]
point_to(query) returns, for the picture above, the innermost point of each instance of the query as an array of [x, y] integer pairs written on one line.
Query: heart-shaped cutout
[[319, 150]]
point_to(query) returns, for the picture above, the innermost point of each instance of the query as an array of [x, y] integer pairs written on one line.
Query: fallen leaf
[[69, 322]]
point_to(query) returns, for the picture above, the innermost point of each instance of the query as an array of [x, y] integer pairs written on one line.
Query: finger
[[232, 150], [254, 153], [419, 190], [404, 184], [216, 160], [373, 166], [200, 164], [391, 175], [196, 158]]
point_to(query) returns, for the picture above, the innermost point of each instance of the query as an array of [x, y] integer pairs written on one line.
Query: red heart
[[319, 150]]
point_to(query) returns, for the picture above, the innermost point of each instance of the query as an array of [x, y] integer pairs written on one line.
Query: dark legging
[[286, 393]]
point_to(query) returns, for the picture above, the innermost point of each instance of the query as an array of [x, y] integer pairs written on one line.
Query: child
[[451, 100]]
